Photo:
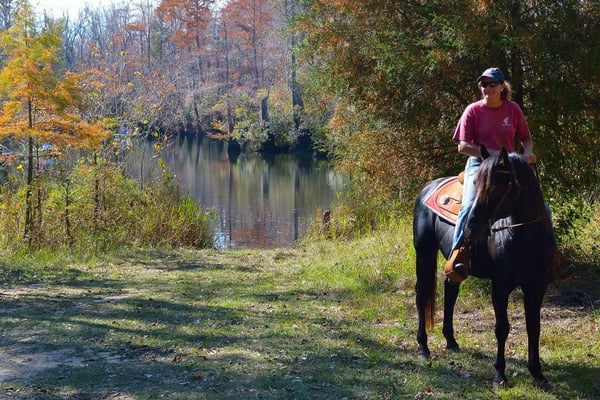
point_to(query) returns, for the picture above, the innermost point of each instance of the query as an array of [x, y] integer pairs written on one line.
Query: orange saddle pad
[[446, 199]]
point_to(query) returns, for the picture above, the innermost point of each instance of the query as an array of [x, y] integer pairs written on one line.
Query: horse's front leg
[[533, 298], [451, 290], [500, 301]]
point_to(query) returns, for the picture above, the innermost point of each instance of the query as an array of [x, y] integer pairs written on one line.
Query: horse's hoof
[[453, 347], [425, 354], [543, 384], [500, 385]]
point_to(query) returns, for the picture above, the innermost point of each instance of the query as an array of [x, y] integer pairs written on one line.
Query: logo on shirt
[[505, 122]]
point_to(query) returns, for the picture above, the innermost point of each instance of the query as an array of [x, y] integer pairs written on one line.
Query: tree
[[7, 11], [291, 11], [41, 104], [399, 75], [192, 58], [251, 21]]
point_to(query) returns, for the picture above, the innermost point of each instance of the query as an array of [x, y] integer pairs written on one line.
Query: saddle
[[445, 200]]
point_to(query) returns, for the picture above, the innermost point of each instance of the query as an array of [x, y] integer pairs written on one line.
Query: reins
[[520, 224]]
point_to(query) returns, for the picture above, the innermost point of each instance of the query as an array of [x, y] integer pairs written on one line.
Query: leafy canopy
[[400, 74]]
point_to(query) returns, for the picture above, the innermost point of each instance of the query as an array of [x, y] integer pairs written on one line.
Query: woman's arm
[[469, 149], [472, 149], [528, 151]]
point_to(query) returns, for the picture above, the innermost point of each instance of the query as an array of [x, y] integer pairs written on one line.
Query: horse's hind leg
[[422, 335], [424, 308], [450, 295], [533, 298], [426, 255]]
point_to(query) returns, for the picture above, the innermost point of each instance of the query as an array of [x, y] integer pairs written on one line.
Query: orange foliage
[[190, 16]]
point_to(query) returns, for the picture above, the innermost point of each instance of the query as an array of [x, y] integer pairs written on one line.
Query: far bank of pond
[[260, 201]]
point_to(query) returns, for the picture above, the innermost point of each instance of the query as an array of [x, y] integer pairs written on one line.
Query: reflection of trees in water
[[258, 201]]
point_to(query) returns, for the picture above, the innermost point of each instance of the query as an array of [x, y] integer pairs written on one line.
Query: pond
[[260, 201]]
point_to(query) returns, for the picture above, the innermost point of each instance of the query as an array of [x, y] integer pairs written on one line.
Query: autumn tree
[[187, 22], [41, 103], [258, 70], [250, 22]]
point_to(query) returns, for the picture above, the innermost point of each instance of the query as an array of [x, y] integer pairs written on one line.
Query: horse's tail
[[430, 293], [426, 249]]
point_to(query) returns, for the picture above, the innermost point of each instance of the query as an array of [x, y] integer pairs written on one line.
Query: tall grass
[[95, 207]]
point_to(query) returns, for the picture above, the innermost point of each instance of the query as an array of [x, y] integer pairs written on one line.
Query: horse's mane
[[528, 185]]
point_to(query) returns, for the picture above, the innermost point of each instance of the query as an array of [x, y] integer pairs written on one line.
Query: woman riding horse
[[504, 218], [513, 246]]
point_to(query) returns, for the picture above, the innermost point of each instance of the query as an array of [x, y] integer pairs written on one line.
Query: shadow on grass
[[109, 335], [583, 290]]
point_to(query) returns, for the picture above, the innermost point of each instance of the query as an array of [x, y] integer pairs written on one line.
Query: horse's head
[[497, 192]]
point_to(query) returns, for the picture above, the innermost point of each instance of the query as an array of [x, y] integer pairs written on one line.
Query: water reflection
[[260, 202]]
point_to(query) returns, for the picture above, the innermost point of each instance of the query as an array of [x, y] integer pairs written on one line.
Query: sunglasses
[[490, 84]]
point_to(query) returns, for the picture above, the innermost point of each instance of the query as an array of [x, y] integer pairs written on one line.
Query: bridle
[[514, 182]]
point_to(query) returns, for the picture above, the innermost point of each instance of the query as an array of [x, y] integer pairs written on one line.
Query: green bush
[[583, 238], [171, 218]]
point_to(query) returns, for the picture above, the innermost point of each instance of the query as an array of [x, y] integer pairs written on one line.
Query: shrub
[[583, 238]]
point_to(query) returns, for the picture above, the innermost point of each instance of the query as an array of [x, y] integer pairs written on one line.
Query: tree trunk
[[227, 84], [96, 193], [70, 240], [29, 194], [297, 103]]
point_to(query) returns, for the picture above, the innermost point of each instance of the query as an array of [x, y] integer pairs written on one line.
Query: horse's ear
[[484, 152], [503, 159]]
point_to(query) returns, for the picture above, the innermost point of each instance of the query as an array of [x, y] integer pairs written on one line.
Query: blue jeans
[[468, 199]]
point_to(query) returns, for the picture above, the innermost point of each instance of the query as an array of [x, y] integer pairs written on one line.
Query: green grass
[[322, 320]]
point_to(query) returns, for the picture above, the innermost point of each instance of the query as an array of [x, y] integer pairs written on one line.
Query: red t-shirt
[[493, 127]]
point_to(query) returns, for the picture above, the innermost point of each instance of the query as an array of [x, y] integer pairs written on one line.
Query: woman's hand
[[528, 151], [530, 158]]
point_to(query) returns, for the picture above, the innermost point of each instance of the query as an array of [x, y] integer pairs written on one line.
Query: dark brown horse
[[512, 244]]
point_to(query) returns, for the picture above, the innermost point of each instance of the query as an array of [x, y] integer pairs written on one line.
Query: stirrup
[[457, 267]]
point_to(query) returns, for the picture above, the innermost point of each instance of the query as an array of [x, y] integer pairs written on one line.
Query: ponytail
[[506, 92]]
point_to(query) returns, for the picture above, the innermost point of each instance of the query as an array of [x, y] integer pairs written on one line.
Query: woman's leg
[[459, 254]]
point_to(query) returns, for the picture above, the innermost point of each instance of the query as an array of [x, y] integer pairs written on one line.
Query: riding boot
[[457, 266], [561, 269]]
